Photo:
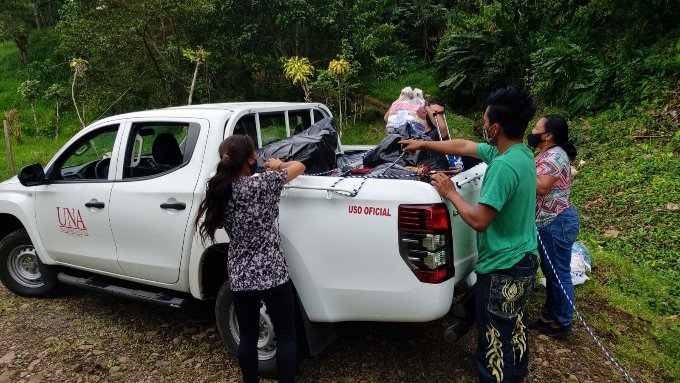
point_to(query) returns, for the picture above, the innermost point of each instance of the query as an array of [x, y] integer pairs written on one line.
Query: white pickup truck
[[113, 212]]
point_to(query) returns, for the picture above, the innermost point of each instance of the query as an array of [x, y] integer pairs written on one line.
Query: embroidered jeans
[[502, 332], [558, 237]]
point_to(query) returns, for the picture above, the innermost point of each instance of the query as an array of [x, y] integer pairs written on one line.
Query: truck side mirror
[[32, 175]]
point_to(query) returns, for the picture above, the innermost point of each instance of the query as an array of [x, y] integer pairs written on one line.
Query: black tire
[[228, 328], [21, 270]]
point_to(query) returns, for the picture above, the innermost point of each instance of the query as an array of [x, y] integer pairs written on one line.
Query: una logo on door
[[71, 222]]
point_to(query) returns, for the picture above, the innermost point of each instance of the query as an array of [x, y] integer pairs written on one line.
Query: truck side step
[[139, 295]]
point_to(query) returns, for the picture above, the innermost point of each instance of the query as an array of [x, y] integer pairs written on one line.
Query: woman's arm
[[544, 183], [295, 168]]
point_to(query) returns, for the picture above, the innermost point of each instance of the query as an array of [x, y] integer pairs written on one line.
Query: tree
[[340, 69], [29, 91], [15, 23], [57, 94], [133, 45], [79, 66], [299, 70], [198, 56]]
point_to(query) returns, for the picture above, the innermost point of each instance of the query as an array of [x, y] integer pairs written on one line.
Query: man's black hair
[[511, 108], [436, 101]]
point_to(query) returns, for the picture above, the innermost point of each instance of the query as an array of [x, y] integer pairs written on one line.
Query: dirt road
[[82, 336]]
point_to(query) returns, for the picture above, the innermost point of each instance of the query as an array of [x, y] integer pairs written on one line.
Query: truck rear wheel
[[21, 270], [229, 331]]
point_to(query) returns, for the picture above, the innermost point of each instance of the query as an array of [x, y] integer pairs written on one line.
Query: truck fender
[[197, 259], [319, 335], [13, 216]]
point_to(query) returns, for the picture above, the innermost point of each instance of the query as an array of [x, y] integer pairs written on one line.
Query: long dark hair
[[234, 153], [557, 125]]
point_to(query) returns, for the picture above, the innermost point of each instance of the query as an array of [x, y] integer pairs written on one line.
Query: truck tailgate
[[343, 252]]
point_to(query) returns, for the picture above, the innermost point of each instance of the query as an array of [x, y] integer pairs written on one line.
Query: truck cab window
[[299, 120], [246, 126], [272, 127], [87, 159], [318, 116], [156, 148]]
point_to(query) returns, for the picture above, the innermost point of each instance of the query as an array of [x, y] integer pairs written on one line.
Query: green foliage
[[584, 55], [564, 74], [196, 56], [481, 51], [29, 90], [298, 70], [56, 93]]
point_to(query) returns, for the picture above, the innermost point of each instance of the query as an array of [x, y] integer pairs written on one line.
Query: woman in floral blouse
[[556, 219], [246, 205]]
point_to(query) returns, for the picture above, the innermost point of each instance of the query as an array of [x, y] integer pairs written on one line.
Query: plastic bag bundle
[[314, 147], [410, 106], [580, 263]]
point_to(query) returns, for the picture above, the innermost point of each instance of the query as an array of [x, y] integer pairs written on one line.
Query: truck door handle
[[95, 205], [175, 206]]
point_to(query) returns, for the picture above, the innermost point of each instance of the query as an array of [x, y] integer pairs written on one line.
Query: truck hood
[[11, 184]]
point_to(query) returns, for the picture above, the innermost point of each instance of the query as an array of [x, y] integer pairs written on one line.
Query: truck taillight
[[425, 241]]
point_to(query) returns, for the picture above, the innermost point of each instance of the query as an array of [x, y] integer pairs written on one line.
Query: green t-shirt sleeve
[[500, 182], [486, 152]]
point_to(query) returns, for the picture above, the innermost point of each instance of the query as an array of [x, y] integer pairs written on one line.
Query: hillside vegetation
[[611, 66]]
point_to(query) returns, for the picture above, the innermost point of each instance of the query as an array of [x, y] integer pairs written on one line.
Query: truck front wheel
[[21, 270], [229, 331]]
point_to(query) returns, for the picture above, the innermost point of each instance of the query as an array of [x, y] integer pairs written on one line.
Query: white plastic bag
[[580, 264]]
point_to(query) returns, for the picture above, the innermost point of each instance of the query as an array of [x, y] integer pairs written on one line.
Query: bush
[[565, 73]]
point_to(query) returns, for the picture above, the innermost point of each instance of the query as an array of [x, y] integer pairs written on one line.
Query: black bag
[[314, 147], [388, 151]]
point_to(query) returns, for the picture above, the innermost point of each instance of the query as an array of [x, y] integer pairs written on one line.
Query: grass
[[387, 90], [36, 147], [630, 186]]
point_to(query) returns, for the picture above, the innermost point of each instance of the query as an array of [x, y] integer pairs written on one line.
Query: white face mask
[[485, 135]]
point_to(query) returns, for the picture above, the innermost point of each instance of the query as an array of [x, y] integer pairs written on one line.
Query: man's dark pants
[[502, 323]]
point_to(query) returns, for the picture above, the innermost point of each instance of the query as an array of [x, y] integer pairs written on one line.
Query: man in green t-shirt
[[506, 232]]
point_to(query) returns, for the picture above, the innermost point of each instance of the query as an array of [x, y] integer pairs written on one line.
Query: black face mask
[[253, 168], [533, 140]]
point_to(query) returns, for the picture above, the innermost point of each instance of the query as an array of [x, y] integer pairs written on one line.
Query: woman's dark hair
[[512, 108], [557, 126], [234, 153]]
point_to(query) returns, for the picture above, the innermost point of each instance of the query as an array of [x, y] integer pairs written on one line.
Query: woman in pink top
[[556, 219]]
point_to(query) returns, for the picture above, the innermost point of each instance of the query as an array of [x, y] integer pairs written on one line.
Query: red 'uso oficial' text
[[369, 210]]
